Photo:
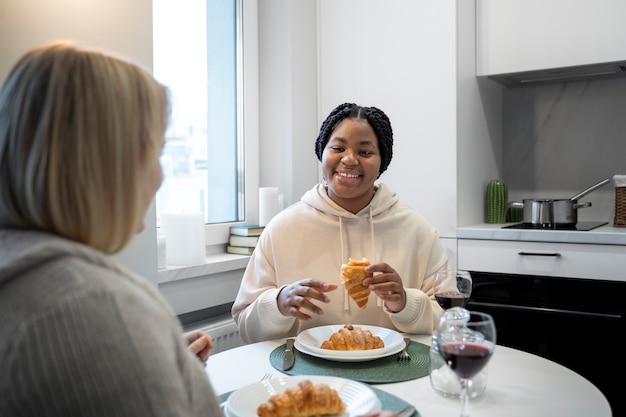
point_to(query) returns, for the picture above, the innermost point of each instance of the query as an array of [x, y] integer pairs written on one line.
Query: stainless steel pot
[[556, 212]]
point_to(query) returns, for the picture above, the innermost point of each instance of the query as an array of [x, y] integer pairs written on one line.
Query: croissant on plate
[[304, 400], [352, 275], [353, 338]]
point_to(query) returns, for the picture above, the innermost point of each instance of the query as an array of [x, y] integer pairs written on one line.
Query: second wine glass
[[452, 288]]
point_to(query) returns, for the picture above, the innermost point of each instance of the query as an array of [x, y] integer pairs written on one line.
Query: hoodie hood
[[382, 201]]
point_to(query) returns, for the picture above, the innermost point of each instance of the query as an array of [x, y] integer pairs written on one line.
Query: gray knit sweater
[[81, 336]]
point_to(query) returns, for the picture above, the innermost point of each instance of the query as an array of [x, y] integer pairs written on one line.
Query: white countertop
[[603, 235], [214, 264]]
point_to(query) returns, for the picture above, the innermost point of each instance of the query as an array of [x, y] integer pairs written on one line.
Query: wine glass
[[466, 341], [452, 288], [442, 379]]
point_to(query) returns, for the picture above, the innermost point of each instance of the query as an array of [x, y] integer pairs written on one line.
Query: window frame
[[216, 235]]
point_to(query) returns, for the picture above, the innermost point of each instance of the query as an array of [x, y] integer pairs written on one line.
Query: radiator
[[223, 331]]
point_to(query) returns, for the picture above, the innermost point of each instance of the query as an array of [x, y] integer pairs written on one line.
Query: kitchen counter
[[603, 235]]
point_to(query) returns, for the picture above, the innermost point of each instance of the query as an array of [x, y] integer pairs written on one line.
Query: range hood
[[554, 75]]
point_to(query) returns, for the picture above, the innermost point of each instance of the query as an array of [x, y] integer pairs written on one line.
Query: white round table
[[519, 384]]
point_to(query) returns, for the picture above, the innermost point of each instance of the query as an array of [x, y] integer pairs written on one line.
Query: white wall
[[120, 26], [479, 124], [288, 96], [400, 56]]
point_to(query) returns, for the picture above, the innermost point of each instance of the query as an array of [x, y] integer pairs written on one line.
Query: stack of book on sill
[[243, 239]]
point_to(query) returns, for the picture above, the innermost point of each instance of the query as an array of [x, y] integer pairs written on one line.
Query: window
[[198, 54]]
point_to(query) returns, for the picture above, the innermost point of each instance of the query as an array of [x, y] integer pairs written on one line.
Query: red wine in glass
[[452, 288], [450, 299], [465, 359]]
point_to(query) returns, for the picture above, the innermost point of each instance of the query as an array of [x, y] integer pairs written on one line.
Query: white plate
[[309, 341], [360, 356], [359, 398]]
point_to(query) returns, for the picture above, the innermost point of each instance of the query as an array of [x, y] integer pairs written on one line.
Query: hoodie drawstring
[[346, 297], [372, 257], [373, 253]]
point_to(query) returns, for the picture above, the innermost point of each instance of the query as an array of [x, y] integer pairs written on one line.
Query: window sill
[[215, 263]]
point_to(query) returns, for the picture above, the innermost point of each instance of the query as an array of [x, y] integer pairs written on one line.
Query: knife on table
[[289, 359]]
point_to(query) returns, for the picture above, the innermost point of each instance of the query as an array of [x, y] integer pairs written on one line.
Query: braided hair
[[376, 118]]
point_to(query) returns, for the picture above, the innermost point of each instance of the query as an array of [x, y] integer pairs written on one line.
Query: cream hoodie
[[313, 238]]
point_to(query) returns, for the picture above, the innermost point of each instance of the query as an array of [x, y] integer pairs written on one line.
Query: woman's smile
[[348, 177]]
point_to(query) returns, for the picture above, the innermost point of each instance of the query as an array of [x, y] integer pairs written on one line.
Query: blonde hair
[[77, 130]]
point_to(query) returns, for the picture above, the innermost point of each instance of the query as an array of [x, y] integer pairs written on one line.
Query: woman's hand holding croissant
[[387, 285]]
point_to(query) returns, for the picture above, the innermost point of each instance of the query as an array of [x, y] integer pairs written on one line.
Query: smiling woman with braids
[[293, 279]]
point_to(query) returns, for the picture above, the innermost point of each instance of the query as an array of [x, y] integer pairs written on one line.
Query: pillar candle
[[184, 238], [268, 204]]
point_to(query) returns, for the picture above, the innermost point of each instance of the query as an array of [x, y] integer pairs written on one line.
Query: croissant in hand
[[352, 275], [305, 400], [353, 338]]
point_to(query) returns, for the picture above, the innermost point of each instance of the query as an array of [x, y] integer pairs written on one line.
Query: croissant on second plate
[[304, 400], [353, 338]]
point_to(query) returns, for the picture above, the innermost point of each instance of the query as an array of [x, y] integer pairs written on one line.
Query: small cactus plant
[[496, 201]]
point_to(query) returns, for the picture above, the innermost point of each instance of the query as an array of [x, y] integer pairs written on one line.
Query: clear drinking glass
[[445, 382], [466, 341], [452, 288]]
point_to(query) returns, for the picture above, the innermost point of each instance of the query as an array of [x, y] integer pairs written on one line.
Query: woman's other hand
[[298, 296], [200, 344], [387, 285]]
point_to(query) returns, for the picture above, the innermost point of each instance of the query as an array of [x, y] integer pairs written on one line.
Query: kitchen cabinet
[[533, 287], [527, 35], [587, 261]]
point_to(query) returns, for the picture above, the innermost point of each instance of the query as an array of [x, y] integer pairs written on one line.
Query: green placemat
[[388, 401], [391, 402], [377, 371]]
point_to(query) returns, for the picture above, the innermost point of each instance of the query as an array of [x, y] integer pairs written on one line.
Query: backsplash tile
[[559, 139]]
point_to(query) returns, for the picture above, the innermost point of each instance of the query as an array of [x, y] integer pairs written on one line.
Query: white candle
[[268, 204], [184, 238]]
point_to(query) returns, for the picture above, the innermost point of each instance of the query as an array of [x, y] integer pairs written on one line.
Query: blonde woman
[[81, 132]]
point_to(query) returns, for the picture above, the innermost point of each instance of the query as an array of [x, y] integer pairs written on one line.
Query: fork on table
[[404, 355]]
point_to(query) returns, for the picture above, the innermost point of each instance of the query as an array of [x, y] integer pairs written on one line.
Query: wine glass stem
[[464, 397]]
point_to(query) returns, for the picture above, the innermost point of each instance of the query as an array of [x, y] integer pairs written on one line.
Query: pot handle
[[581, 205], [590, 189]]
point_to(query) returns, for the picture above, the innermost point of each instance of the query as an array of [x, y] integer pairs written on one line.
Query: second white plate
[[359, 398]]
